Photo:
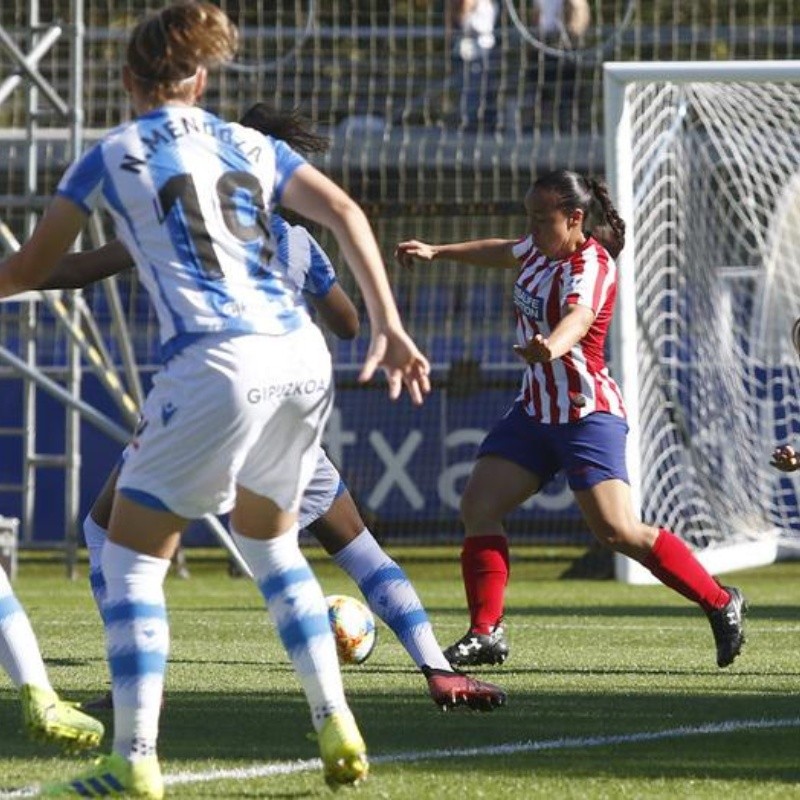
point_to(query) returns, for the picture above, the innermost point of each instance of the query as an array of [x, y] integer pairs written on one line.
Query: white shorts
[[323, 488], [228, 410]]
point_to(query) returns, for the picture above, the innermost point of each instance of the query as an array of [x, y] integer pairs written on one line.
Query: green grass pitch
[[613, 690]]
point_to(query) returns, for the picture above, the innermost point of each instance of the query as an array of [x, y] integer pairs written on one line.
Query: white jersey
[[176, 440], [191, 196]]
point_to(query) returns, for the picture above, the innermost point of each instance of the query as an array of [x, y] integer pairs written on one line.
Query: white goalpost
[[703, 160]]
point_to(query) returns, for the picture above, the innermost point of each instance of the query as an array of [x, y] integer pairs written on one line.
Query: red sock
[[674, 564], [485, 568]]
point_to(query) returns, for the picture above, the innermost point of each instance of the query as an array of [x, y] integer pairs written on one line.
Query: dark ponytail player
[[568, 415]]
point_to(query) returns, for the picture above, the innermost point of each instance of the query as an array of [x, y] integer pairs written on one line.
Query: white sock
[[95, 539], [137, 642], [297, 606], [391, 596], [19, 650]]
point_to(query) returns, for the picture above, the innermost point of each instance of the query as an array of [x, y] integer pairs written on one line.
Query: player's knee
[[622, 538]]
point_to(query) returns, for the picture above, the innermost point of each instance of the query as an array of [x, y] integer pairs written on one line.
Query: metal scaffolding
[[86, 347], [41, 95]]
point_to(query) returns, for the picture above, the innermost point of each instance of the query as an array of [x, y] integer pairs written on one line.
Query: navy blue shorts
[[589, 451]]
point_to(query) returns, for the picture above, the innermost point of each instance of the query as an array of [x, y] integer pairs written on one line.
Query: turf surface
[[613, 690]]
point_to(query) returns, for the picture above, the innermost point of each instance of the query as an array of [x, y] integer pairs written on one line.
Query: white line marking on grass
[[531, 746], [286, 768], [592, 741]]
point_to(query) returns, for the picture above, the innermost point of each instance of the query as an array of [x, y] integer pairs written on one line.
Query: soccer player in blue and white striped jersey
[[234, 417], [327, 509]]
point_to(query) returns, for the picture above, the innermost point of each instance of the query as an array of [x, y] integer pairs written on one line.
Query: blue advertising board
[[408, 465], [405, 465]]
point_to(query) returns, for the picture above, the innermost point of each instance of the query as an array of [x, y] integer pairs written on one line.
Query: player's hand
[[394, 351], [537, 350], [785, 459], [406, 252]]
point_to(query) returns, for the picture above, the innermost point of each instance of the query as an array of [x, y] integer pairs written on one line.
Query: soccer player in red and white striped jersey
[[569, 414], [577, 384]]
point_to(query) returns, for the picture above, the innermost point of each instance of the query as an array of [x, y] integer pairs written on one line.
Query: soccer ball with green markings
[[353, 628]]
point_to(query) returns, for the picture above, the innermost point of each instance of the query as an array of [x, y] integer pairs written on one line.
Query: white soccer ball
[[353, 628]]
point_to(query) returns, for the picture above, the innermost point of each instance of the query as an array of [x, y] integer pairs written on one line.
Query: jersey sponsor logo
[[167, 412], [291, 389], [532, 307]]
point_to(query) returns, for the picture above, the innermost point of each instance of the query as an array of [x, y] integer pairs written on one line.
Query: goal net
[[704, 161]]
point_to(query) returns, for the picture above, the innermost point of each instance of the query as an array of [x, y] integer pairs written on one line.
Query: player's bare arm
[[338, 313], [487, 253], [574, 324], [76, 270], [32, 264]]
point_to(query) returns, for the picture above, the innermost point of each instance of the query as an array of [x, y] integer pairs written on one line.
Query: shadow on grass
[[240, 727]]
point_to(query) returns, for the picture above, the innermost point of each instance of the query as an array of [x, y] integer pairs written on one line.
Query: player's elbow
[[18, 275], [347, 326]]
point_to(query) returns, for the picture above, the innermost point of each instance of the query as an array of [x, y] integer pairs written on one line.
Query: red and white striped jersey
[[578, 383]]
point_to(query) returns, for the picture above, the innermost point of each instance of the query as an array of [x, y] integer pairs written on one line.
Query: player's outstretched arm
[[76, 270], [488, 253], [312, 194], [785, 459], [33, 263]]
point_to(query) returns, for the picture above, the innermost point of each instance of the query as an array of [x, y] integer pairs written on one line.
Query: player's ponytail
[[168, 47], [611, 232], [590, 196], [290, 126]]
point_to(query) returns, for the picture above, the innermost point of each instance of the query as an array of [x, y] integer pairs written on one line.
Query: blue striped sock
[[298, 609], [95, 537], [392, 597], [137, 642]]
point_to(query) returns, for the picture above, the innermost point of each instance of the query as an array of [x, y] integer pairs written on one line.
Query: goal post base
[[717, 560]]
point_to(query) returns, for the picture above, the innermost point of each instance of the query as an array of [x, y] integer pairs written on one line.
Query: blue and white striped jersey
[[308, 265], [191, 197]]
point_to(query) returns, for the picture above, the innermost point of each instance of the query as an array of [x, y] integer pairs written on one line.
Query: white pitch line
[[531, 746]]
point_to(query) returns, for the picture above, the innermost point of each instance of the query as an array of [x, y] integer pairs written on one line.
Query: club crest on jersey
[[531, 307], [167, 412]]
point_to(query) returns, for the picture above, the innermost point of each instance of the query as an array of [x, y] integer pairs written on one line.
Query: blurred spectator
[[562, 21], [475, 63], [560, 24]]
